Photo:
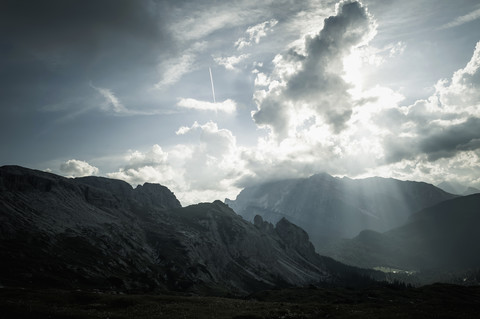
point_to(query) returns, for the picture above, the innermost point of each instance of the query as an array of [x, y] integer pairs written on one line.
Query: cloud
[[428, 140], [230, 62], [442, 126], [227, 106], [203, 21], [111, 101], [255, 33], [396, 49], [214, 158], [435, 141], [112, 104], [151, 166], [308, 81], [462, 93], [447, 141], [474, 15], [462, 168], [204, 169], [173, 69], [431, 140], [214, 141], [76, 168], [305, 91]]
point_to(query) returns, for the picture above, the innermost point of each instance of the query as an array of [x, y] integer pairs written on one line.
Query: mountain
[[101, 233], [452, 187], [330, 208], [442, 238], [457, 188], [471, 191]]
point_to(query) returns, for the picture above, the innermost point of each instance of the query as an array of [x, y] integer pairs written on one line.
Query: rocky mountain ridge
[[95, 232]]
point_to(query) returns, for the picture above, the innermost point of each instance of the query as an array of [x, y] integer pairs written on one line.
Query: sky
[[208, 97]]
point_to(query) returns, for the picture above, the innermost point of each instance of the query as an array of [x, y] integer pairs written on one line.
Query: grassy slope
[[436, 301]]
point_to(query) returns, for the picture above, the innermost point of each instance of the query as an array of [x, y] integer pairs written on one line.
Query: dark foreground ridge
[[98, 233], [435, 301]]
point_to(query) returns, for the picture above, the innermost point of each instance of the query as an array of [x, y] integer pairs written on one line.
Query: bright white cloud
[[173, 69], [462, 94], [150, 166], [396, 49], [230, 62], [227, 106], [214, 158], [204, 170], [255, 33], [77, 168]]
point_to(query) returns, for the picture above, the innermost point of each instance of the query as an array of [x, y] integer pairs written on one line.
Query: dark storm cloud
[[320, 76], [435, 141], [447, 142]]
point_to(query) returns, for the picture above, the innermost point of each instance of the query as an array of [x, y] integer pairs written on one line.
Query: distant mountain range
[[458, 189], [444, 238], [101, 233], [330, 208]]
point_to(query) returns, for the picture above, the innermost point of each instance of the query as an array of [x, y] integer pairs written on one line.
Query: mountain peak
[[156, 195], [294, 237]]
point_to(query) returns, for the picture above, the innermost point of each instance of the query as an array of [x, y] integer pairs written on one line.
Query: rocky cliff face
[[96, 232], [331, 208]]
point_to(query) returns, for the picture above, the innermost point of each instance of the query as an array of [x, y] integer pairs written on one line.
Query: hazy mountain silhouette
[[441, 238], [457, 188], [331, 208], [471, 191], [101, 233]]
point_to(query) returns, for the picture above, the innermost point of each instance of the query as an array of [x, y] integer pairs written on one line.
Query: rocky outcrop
[[263, 225], [155, 195], [295, 237]]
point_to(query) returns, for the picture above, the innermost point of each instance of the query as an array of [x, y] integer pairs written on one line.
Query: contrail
[[213, 89]]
